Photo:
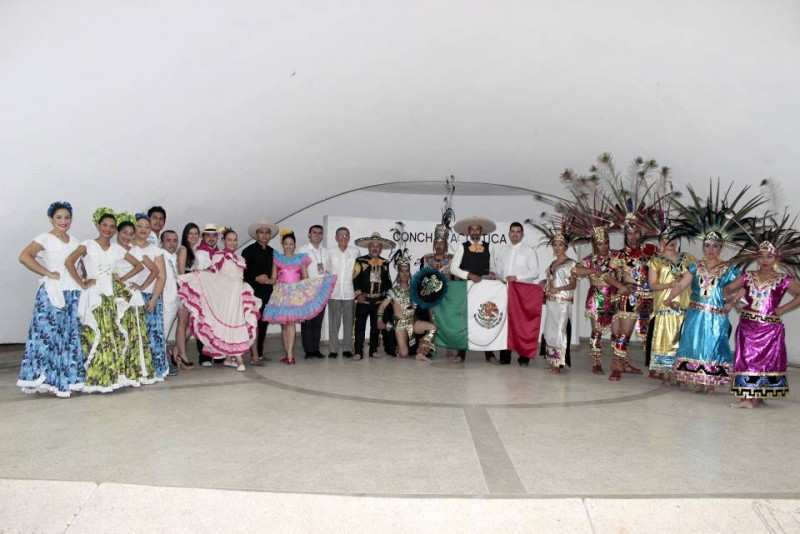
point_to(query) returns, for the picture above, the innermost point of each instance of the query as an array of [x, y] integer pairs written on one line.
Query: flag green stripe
[[450, 317]]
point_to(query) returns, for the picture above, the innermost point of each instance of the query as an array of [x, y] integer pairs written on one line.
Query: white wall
[[230, 111]]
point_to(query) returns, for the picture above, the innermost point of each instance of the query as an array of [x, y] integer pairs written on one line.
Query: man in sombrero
[[371, 281], [473, 261]]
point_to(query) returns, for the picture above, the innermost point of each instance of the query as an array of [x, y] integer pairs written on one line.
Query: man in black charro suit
[[371, 281]]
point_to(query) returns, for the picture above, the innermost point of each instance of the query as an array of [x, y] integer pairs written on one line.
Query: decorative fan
[[428, 287]]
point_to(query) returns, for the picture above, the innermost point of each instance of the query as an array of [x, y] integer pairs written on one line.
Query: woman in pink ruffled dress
[[222, 307], [296, 297]]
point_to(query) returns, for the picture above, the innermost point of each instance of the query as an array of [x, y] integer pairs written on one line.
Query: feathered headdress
[[718, 218], [634, 199], [584, 216], [774, 235], [553, 231], [442, 230], [400, 257]]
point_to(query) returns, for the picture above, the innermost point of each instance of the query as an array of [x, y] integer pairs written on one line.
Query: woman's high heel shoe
[[180, 361], [288, 361]]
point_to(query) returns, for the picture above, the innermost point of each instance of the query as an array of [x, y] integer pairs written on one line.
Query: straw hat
[[462, 227], [263, 223], [376, 236]]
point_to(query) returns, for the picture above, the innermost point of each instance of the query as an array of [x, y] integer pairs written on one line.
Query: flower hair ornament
[[124, 217], [140, 215], [99, 213], [286, 231], [57, 205]]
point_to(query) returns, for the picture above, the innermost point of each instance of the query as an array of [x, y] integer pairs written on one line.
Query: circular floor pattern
[[444, 385]]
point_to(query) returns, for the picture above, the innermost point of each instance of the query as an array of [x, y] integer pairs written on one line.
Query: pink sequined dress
[[294, 300]]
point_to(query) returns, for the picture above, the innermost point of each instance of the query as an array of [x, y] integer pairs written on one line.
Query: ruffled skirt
[[53, 358], [298, 301], [223, 311]]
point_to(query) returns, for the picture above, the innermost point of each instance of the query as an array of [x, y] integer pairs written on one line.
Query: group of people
[[678, 305], [106, 306]]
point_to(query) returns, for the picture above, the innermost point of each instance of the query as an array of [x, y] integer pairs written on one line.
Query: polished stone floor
[[387, 445]]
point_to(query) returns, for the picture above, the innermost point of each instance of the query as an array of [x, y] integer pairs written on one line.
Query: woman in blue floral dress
[[53, 358]]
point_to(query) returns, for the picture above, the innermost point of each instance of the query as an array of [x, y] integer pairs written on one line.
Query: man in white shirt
[[158, 218], [516, 262], [170, 299], [341, 305], [311, 331]]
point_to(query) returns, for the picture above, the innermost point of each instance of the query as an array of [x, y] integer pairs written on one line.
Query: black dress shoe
[[309, 355], [318, 354], [333, 355], [347, 354]]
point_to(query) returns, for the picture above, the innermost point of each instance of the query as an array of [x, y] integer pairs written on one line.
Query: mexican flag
[[490, 315]]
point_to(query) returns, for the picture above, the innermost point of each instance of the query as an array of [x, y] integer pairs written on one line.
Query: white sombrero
[[462, 227], [263, 223], [210, 228], [376, 236]]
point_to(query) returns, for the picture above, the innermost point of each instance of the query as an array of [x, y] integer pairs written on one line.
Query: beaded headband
[[769, 248]]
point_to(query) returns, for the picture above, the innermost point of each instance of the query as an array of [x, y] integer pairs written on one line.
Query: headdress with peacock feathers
[[719, 218]]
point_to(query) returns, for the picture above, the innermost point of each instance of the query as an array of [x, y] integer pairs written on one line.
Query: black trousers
[[311, 332], [369, 309], [262, 334], [463, 354]]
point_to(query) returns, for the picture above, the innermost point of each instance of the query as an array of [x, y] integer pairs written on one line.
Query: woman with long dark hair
[[190, 238]]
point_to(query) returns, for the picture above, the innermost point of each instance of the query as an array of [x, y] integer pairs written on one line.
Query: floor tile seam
[[585, 505], [490, 467], [777, 496], [477, 455], [508, 454], [81, 505]]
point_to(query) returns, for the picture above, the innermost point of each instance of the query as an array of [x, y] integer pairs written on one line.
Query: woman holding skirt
[[53, 358], [223, 309], [103, 337], [296, 297]]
